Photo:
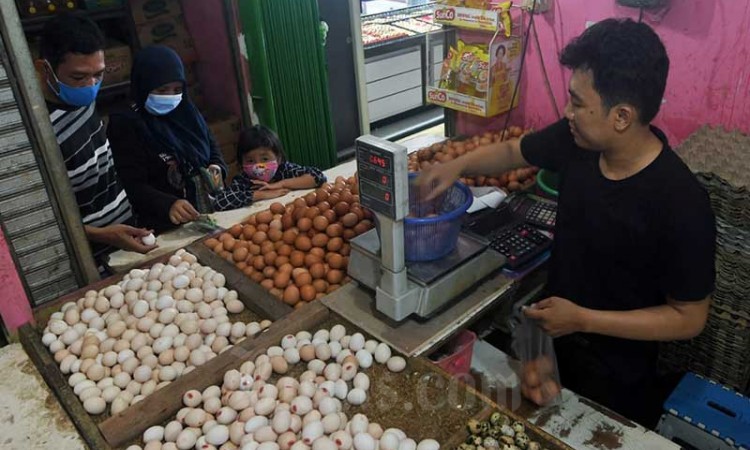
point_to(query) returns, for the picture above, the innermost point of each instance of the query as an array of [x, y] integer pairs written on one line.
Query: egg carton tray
[[724, 153], [720, 352]]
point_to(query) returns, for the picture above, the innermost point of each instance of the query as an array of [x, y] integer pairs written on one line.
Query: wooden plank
[[252, 294], [42, 359], [412, 336], [164, 403]]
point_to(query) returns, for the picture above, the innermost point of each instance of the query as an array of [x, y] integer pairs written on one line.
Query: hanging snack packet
[[478, 4], [467, 56], [505, 20], [449, 70], [482, 73]]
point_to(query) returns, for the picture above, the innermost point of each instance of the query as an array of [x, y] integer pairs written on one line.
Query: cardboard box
[[225, 129], [170, 31], [119, 61], [154, 10], [503, 73]]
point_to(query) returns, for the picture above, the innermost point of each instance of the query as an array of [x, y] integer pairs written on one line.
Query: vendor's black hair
[[628, 62], [256, 137], [69, 33]]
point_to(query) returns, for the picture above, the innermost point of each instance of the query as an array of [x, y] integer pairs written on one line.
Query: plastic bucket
[[548, 182], [460, 350], [431, 238]]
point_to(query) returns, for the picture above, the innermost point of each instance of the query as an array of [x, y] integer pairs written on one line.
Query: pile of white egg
[[125, 341], [248, 412]]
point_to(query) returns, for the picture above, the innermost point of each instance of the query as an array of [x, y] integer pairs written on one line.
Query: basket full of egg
[[431, 229]]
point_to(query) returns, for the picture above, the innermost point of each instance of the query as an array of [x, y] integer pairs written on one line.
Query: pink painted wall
[[15, 308], [207, 24], [708, 42]]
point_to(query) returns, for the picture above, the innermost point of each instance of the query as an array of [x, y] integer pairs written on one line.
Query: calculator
[[518, 228], [534, 209]]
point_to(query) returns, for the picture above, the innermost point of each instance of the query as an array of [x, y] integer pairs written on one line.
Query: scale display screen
[[377, 172]]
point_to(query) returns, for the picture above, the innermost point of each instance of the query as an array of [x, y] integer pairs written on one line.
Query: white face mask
[[160, 105]]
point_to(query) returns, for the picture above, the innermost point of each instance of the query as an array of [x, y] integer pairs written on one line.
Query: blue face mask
[[74, 96], [160, 105]]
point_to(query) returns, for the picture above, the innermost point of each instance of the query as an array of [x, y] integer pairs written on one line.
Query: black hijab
[[183, 131]]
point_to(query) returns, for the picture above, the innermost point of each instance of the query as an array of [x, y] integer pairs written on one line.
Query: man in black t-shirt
[[633, 258]]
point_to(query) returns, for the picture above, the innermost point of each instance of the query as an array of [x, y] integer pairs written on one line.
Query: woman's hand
[[216, 174], [265, 194], [182, 212], [121, 236]]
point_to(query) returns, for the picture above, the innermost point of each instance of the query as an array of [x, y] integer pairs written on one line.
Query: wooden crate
[[445, 421], [257, 301]]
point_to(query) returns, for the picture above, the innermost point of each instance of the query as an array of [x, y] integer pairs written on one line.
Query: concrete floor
[[30, 415]]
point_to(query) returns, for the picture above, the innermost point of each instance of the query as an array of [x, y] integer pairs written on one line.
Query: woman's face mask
[[264, 171], [160, 105], [74, 96]]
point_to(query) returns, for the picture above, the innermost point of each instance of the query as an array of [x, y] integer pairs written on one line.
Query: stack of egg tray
[[721, 161]]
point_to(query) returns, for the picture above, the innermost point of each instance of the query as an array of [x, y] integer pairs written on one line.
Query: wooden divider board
[[271, 306]]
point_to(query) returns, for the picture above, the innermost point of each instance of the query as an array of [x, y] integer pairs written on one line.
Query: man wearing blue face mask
[[70, 71]]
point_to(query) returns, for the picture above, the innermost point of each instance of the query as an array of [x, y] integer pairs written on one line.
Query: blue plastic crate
[[713, 408]]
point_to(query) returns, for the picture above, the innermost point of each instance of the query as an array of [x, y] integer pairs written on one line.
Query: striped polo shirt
[[83, 142]]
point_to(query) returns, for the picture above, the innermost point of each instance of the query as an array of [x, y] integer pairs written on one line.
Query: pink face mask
[[261, 171]]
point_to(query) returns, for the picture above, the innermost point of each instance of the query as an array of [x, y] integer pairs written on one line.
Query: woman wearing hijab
[[162, 147]]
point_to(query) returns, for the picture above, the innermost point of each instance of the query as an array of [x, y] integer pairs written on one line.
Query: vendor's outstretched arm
[[488, 160], [676, 320]]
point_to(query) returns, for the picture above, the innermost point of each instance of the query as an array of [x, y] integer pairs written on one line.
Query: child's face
[[258, 155]]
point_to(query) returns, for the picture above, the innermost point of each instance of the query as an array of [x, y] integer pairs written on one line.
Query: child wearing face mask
[[265, 173]]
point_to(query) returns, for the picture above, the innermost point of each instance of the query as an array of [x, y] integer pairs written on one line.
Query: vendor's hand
[[557, 316], [265, 194], [121, 236], [216, 174], [437, 178], [263, 186], [182, 212]]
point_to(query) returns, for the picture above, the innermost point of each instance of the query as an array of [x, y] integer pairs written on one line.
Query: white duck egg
[[363, 441], [382, 353], [389, 441], [357, 342], [364, 358], [312, 431], [407, 444], [396, 364], [356, 396], [361, 381], [428, 444]]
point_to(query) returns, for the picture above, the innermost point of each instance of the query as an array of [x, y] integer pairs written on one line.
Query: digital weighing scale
[[378, 261]]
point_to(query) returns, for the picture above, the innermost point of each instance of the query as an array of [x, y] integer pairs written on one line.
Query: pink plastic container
[[460, 349]]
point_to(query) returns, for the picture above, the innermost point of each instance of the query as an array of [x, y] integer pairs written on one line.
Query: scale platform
[[439, 282]]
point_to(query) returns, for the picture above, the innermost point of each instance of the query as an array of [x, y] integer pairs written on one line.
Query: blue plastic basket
[[431, 238]]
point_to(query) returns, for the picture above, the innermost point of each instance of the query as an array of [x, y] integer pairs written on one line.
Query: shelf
[[34, 24], [470, 18]]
